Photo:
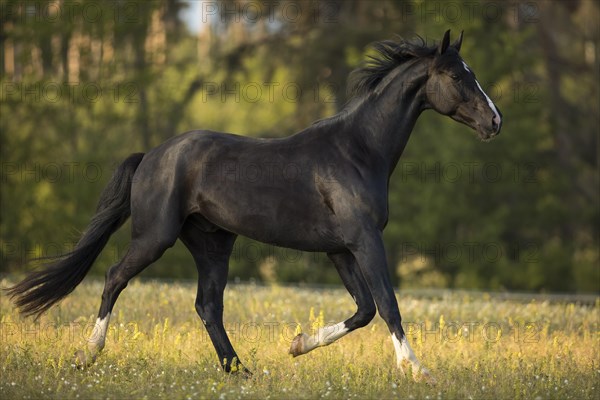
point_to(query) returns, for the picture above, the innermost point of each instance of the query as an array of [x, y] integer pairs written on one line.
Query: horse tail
[[43, 288]]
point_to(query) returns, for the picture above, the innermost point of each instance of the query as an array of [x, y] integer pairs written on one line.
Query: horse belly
[[307, 236], [286, 221]]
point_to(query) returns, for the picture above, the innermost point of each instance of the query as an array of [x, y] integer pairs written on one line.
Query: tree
[[518, 213]]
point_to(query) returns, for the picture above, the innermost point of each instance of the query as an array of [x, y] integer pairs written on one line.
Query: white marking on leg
[[325, 336], [330, 334], [405, 355], [98, 337], [403, 351], [489, 101]]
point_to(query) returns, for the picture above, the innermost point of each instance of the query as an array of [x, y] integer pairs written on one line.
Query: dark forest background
[[85, 83]]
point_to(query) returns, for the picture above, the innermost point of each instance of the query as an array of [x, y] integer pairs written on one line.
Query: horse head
[[453, 90]]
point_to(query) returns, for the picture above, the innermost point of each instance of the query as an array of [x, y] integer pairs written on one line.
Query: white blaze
[[489, 101]]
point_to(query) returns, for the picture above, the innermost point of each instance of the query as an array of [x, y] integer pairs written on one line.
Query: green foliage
[[518, 213]]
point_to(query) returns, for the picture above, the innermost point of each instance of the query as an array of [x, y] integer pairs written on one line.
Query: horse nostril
[[496, 123]]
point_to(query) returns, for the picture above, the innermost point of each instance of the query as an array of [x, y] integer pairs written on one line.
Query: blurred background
[[85, 83]]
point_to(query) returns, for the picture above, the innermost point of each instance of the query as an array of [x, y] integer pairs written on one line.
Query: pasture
[[475, 345]]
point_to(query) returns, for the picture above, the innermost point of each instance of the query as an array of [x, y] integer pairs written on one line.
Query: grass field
[[476, 347]]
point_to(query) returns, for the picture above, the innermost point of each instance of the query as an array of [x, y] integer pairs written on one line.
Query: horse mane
[[365, 78], [390, 54]]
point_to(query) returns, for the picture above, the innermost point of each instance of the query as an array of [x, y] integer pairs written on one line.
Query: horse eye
[[455, 77]]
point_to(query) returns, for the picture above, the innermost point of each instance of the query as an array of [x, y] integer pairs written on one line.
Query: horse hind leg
[[142, 252], [211, 252]]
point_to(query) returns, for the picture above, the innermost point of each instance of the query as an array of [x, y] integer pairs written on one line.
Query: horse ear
[[444, 43], [458, 41]]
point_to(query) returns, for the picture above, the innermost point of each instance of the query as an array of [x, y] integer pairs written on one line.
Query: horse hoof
[[83, 360], [238, 370], [297, 348], [245, 373], [419, 374], [424, 376]]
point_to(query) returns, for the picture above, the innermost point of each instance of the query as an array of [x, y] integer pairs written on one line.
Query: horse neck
[[384, 121]]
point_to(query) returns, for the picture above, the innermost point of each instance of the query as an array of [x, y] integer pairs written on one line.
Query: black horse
[[323, 189]]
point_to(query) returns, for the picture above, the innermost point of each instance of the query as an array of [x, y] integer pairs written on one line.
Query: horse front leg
[[367, 247], [346, 265]]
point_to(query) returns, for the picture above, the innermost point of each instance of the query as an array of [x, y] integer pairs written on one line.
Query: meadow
[[477, 346]]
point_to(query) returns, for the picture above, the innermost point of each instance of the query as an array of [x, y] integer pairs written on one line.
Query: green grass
[[475, 346]]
